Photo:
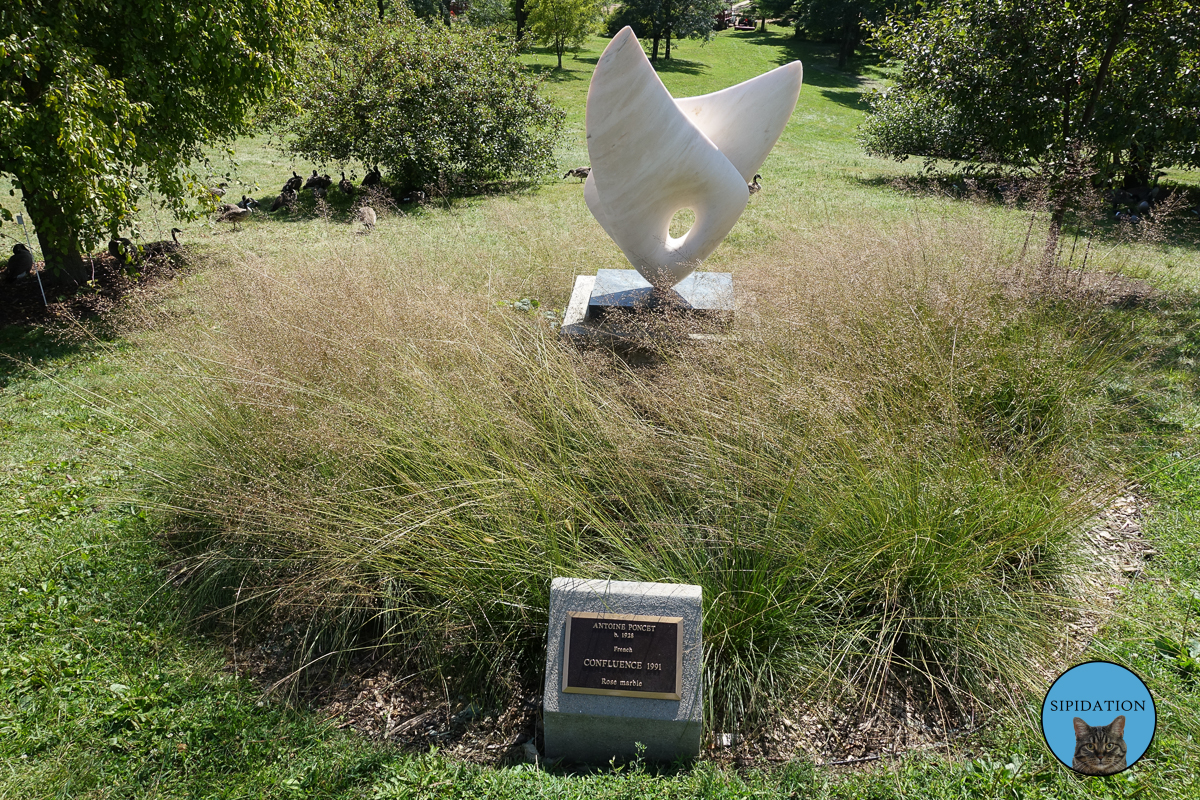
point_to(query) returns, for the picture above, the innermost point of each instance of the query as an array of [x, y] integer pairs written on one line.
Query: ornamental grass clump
[[880, 476]]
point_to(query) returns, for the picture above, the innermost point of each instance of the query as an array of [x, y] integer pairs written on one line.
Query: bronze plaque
[[622, 654]]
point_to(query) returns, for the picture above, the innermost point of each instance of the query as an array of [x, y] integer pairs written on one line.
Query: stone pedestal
[[602, 304], [617, 676], [702, 293]]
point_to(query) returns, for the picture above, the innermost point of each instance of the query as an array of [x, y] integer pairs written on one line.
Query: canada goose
[[415, 196], [316, 182], [164, 247], [285, 198], [346, 186], [318, 192], [754, 187], [366, 215], [123, 250], [20, 264], [579, 172], [218, 190], [373, 177], [235, 215], [294, 183]]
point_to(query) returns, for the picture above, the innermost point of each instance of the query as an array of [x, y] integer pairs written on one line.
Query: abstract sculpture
[[653, 155]]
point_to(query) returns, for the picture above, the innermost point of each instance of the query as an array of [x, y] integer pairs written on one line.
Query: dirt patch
[[22, 303], [1115, 545], [375, 698]]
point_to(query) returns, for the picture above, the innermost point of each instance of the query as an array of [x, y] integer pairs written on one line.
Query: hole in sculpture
[[682, 222]]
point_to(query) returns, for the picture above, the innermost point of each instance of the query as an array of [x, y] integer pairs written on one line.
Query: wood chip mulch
[[378, 700], [22, 303]]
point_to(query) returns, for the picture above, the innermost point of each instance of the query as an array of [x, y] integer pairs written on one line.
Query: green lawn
[[107, 689]]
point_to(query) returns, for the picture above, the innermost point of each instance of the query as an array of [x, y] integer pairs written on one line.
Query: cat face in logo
[[1099, 749]]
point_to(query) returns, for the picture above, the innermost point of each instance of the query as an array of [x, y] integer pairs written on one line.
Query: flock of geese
[[20, 265], [318, 184], [126, 251], [583, 172]]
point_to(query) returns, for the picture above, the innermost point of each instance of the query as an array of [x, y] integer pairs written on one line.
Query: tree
[[489, 13], [1086, 91], [103, 101], [422, 100], [690, 19], [562, 23], [662, 20], [771, 9], [430, 10], [840, 21]]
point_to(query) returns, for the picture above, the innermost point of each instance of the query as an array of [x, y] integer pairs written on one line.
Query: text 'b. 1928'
[[625, 655]]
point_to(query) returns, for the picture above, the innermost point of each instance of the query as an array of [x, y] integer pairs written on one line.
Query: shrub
[[425, 101]]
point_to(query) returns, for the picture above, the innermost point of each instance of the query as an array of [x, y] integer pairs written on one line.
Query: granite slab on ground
[[706, 293]]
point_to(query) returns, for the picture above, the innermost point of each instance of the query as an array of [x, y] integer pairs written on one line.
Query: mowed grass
[[901, 374]]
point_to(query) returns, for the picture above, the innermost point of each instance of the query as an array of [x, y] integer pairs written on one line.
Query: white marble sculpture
[[653, 155]]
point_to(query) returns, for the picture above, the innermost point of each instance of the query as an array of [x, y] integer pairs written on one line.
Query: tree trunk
[[796, 30], [1115, 35], [654, 50], [764, 24], [668, 55], [847, 49], [1066, 192], [520, 14], [64, 265], [558, 48]]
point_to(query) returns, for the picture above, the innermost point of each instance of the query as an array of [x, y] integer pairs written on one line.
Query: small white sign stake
[[29, 244]]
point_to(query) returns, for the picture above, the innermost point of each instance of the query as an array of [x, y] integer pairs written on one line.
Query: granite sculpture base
[[623, 665], [605, 307]]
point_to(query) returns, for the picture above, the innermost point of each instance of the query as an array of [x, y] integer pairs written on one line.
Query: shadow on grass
[[1176, 331], [343, 209], [551, 72], [820, 60], [851, 98], [1181, 229], [681, 66], [25, 347]]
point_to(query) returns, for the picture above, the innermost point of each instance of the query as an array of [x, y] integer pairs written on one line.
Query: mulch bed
[[377, 699], [22, 304]]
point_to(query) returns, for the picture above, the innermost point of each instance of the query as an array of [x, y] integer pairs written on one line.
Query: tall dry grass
[[881, 473]]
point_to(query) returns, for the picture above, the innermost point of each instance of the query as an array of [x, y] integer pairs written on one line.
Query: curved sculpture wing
[[746, 120], [652, 156]]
